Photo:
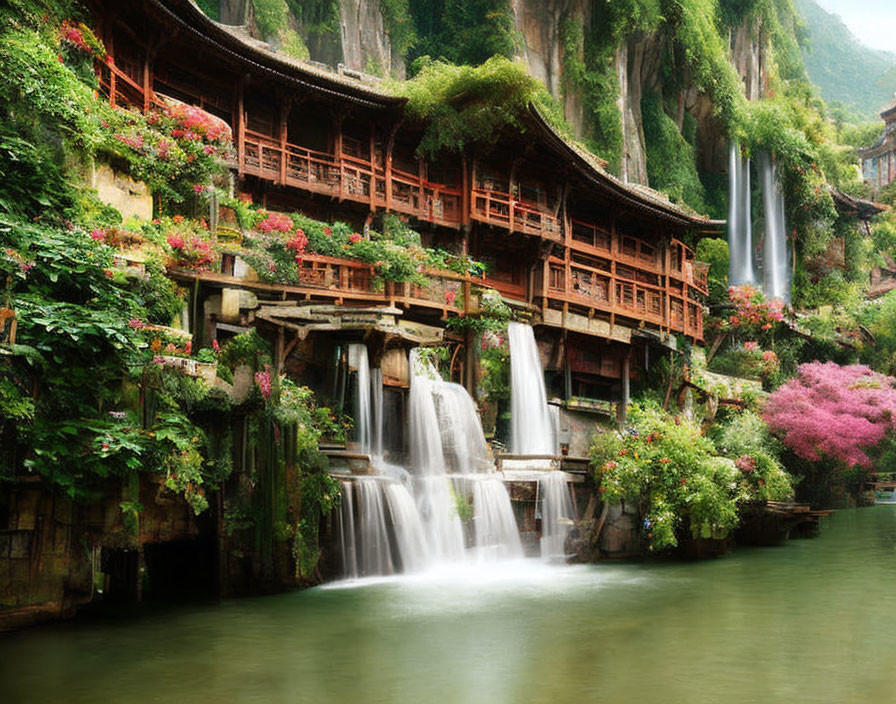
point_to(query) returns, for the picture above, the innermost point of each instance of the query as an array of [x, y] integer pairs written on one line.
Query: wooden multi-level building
[[879, 161], [601, 267]]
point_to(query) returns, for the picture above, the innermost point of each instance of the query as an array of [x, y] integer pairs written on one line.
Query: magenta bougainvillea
[[833, 411]]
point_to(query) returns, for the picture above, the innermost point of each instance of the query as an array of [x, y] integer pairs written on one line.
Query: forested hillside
[[844, 70]]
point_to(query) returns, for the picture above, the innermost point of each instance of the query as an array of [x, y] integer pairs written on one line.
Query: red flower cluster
[[275, 222], [98, 235], [297, 244], [751, 308], [355, 237], [194, 252], [75, 36], [449, 297], [134, 142], [745, 464], [263, 379], [195, 124]]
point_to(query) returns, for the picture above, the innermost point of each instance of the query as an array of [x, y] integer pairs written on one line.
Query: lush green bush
[[666, 467]]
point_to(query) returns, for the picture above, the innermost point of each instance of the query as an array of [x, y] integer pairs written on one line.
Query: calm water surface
[[811, 621]]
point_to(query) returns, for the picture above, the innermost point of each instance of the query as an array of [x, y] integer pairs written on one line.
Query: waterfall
[[357, 358], [376, 380], [409, 534], [776, 282], [408, 517], [556, 513], [740, 219], [374, 553], [497, 535], [463, 442], [531, 426], [347, 532], [435, 500]]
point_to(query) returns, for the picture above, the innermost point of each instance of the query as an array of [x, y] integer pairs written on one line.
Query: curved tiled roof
[[240, 48], [235, 45]]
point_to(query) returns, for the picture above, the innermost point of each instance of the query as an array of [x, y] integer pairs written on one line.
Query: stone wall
[[51, 547]]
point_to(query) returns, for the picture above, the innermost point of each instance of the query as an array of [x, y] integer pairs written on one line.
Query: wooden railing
[[498, 208], [609, 292]]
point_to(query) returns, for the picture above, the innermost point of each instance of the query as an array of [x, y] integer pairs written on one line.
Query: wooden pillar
[[510, 196], [285, 106], [626, 386], [390, 149], [337, 153], [239, 123], [372, 150], [147, 81]]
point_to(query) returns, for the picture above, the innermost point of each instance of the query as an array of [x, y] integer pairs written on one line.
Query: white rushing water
[[776, 278], [358, 360], [408, 517], [556, 514], [740, 219], [531, 426]]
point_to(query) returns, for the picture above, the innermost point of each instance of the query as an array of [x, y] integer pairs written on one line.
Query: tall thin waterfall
[[556, 513], [376, 380], [740, 219], [374, 553], [435, 498], [347, 532], [776, 280], [531, 426], [357, 358]]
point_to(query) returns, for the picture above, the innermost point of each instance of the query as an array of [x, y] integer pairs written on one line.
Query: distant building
[[879, 161]]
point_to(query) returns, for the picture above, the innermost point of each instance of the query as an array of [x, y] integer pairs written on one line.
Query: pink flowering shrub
[[276, 222], [833, 411], [191, 251], [196, 125], [751, 310]]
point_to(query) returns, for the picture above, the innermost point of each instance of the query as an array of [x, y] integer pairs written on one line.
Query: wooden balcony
[[350, 282], [615, 291], [501, 210]]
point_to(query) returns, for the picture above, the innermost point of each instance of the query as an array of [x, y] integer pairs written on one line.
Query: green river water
[[809, 621]]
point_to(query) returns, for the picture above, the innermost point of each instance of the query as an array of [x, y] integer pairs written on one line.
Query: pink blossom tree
[[833, 411]]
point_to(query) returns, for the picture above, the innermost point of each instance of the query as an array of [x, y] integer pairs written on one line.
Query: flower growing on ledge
[[275, 222], [263, 379], [355, 237]]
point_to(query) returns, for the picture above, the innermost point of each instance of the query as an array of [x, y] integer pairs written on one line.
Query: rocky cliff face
[[540, 24], [365, 40]]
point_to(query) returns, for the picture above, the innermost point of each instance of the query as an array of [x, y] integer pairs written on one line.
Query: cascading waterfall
[[776, 280], [531, 427], [534, 428], [497, 535], [347, 532], [740, 219], [374, 552], [434, 496], [556, 513], [376, 380], [418, 506], [357, 358]]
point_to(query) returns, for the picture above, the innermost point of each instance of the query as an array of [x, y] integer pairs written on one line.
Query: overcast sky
[[872, 21]]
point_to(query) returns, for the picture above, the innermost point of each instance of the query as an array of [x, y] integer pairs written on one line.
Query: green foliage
[[463, 104], [270, 16], [746, 439], [211, 8], [292, 44], [670, 158], [159, 296], [845, 70], [714, 251], [399, 25], [466, 32], [669, 470]]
